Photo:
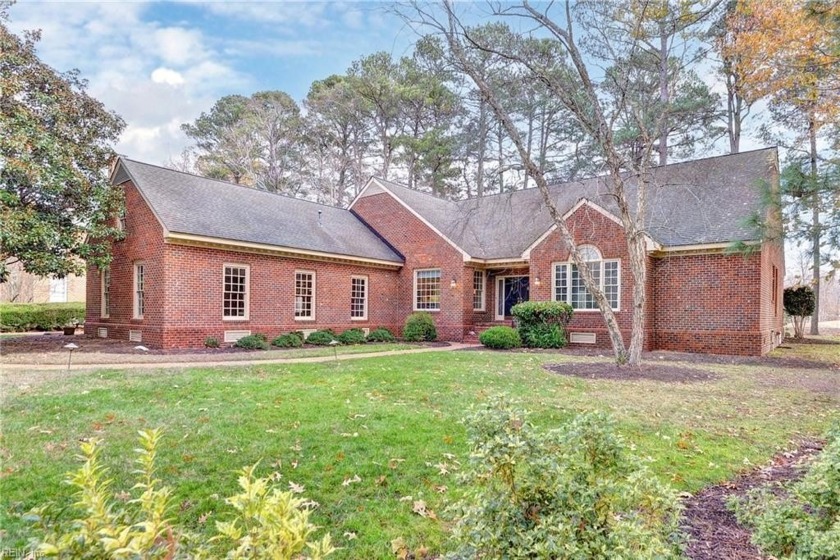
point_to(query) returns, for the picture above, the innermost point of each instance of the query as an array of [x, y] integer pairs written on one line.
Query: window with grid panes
[[427, 290], [235, 292], [139, 290], [105, 300], [478, 290], [304, 295], [569, 286], [358, 297]]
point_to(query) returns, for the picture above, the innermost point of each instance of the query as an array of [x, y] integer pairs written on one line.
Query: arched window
[[568, 283]]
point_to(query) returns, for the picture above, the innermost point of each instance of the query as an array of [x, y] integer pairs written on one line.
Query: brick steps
[[478, 328]]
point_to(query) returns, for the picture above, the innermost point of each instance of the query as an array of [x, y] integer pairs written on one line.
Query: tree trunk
[[664, 95], [482, 146], [815, 224]]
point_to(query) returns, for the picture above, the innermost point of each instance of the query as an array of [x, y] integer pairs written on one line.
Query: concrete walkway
[[195, 361]]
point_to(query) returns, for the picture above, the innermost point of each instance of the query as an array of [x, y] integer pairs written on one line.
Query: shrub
[[572, 492], [419, 327], [252, 342], [802, 522], [21, 317], [542, 324], [290, 340], [267, 522], [260, 336], [211, 342], [500, 338], [799, 303], [352, 336], [380, 334], [321, 338], [299, 334]]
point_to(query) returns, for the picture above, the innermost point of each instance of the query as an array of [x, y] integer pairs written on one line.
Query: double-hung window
[[569, 286], [304, 296], [139, 290], [358, 298], [105, 294], [427, 290], [235, 292], [478, 290]]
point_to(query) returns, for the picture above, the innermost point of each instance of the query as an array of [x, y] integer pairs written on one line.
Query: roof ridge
[[229, 183]]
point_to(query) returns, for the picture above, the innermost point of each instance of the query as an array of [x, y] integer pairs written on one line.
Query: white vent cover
[[307, 332], [233, 336], [366, 330], [102, 332], [582, 338], [135, 336]]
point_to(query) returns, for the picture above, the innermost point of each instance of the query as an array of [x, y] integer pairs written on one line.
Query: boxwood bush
[[321, 338], [500, 338], [542, 324], [419, 327], [289, 340], [352, 336], [252, 342], [381, 334], [21, 317]]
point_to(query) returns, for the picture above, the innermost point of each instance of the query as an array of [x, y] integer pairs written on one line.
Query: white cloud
[[176, 45], [298, 14], [273, 47], [167, 76]]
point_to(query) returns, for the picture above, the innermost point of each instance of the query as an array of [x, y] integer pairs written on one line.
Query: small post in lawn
[[335, 344], [70, 347]]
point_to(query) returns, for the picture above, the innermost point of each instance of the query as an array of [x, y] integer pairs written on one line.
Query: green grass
[[391, 421]]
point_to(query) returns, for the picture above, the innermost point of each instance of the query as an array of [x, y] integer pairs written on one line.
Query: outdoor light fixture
[[70, 347], [453, 284], [537, 281], [334, 343]]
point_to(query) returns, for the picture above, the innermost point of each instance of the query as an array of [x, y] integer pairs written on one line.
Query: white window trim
[[568, 265], [483, 291], [414, 291], [135, 300], [314, 292], [247, 315], [364, 317], [104, 310]]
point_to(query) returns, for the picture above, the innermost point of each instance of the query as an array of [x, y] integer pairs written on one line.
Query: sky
[[161, 64]]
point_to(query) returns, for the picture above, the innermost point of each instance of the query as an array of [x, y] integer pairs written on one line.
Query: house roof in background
[[194, 205], [697, 202]]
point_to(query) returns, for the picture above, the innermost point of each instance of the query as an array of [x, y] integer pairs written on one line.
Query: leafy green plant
[[799, 302], [21, 317], [800, 521], [352, 336], [260, 336], [290, 340], [542, 324], [501, 338], [321, 338], [572, 492], [419, 327], [252, 342], [381, 334], [268, 523], [211, 342]]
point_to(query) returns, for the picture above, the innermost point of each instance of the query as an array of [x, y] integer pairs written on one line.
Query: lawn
[[368, 438]]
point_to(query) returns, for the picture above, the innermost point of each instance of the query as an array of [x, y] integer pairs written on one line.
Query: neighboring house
[[23, 287], [206, 258]]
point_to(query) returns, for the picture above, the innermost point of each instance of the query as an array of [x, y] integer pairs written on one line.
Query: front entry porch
[[510, 290]]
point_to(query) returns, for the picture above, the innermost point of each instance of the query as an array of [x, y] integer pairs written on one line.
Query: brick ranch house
[[205, 258]]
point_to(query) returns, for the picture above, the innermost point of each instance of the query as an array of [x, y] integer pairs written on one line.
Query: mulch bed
[[664, 372], [711, 530]]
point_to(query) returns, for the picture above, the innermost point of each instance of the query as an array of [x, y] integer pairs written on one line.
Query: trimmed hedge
[[290, 340], [500, 338], [352, 336], [252, 342], [381, 334], [321, 338], [419, 327], [542, 324], [21, 317]]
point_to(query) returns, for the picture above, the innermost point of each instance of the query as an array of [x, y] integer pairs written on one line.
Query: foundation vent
[[366, 331], [582, 338], [307, 332], [102, 332], [135, 336], [233, 336]]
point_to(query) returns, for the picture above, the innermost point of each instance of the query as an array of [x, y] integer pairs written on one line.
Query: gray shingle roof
[[196, 205], [696, 202]]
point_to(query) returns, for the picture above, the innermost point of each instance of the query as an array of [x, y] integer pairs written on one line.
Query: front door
[[510, 290]]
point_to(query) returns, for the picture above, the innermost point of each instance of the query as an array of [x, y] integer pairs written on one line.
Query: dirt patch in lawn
[[665, 372], [711, 530]]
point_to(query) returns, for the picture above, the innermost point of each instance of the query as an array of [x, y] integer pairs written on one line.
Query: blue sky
[[160, 64]]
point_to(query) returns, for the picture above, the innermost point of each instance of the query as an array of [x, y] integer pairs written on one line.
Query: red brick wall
[[708, 303], [194, 295], [588, 226], [771, 321], [143, 242], [422, 248]]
